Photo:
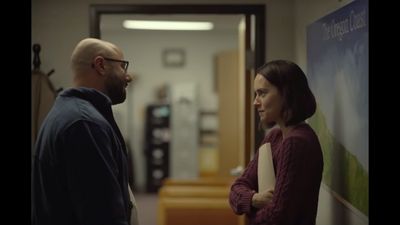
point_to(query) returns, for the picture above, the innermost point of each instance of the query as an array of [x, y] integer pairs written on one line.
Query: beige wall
[[305, 13], [280, 30]]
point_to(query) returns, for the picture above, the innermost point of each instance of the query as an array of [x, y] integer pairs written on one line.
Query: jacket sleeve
[[91, 172]]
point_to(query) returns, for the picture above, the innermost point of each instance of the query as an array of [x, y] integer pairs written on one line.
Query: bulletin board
[[337, 69]]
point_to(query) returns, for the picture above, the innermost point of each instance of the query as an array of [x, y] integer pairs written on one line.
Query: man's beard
[[116, 90], [117, 97]]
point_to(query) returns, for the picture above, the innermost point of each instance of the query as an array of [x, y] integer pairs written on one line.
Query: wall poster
[[337, 69]]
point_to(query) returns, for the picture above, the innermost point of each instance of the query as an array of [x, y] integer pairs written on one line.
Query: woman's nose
[[256, 102]]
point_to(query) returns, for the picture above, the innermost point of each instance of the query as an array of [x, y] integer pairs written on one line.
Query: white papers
[[265, 169]]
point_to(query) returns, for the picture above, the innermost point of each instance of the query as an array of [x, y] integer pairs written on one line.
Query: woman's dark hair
[[298, 100]]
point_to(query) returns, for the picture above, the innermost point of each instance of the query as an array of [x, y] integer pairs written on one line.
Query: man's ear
[[98, 65]]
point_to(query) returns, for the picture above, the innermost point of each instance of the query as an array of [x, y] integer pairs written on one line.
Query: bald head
[[99, 65], [87, 49]]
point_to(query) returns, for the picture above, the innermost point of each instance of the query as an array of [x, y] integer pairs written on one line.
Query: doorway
[[252, 43]]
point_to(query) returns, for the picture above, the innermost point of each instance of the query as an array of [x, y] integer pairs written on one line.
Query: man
[[80, 172]]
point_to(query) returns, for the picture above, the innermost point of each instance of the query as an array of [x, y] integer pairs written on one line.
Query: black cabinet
[[157, 145]]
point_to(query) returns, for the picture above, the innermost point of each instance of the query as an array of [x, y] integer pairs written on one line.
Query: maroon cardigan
[[298, 167]]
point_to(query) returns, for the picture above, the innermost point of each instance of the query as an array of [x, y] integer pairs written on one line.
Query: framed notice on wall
[[337, 66], [173, 57]]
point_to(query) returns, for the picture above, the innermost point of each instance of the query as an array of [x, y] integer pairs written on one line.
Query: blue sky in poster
[[337, 56]]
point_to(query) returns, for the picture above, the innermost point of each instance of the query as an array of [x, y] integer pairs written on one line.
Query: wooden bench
[[196, 202]]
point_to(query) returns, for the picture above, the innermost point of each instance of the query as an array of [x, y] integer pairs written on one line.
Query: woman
[[283, 98]]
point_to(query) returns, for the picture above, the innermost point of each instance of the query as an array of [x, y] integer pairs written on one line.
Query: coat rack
[[36, 62], [36, 58]]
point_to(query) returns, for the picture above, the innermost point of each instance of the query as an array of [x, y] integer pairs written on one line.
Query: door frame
[[256, 11]]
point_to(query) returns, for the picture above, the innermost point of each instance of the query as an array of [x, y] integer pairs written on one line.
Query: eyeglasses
[[124, 64]]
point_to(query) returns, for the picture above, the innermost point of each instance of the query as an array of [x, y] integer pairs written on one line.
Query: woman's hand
[[259, 200]]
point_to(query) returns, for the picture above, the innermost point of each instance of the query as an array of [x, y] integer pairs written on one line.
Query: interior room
[[188, 120]]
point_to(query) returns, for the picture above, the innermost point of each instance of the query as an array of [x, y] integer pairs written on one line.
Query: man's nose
[[129, 78]]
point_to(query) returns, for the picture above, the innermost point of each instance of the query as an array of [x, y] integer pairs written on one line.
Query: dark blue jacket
[[80, 173]]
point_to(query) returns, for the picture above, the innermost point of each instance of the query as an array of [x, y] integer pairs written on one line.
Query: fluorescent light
[[166, 25]]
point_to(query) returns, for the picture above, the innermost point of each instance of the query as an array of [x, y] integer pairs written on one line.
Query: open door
[[236, 70]]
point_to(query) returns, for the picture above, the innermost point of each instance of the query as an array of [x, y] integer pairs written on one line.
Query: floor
[[147, 208]]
